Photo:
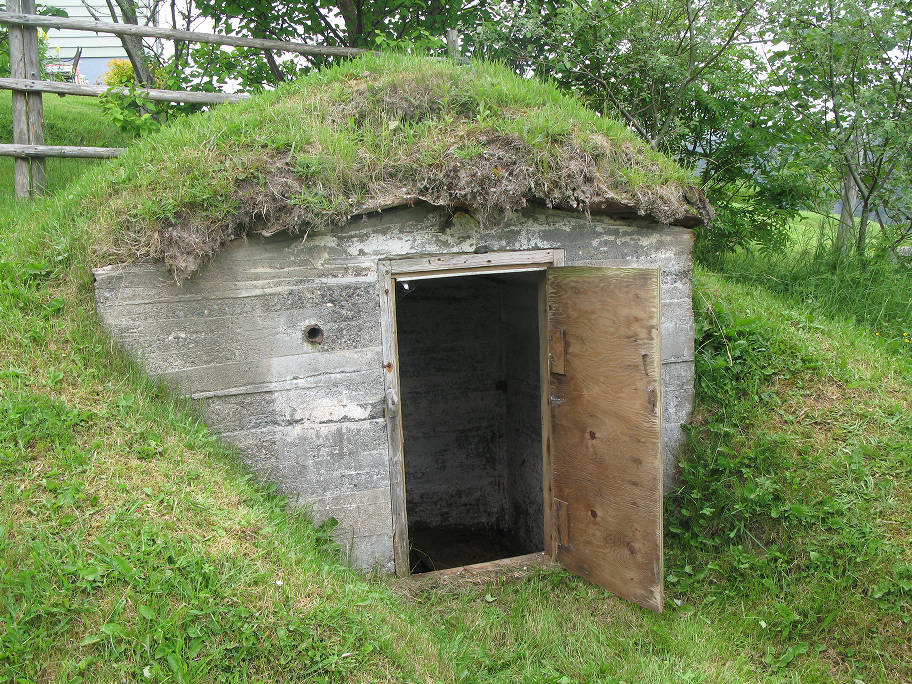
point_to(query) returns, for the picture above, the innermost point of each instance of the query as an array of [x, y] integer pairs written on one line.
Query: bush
[[119, 73], [132, 112]]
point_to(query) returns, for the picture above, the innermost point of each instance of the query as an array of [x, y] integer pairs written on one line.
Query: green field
[[134, 547]]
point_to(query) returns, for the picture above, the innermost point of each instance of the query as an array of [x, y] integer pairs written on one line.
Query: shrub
[[119, 73]]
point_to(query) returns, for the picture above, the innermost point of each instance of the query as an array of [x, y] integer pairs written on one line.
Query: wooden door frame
[[444, 266]]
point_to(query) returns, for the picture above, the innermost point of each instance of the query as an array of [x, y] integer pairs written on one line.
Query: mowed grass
[[134, 547]]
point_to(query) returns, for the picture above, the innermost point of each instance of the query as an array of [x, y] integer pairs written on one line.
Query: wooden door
[[606, 422]]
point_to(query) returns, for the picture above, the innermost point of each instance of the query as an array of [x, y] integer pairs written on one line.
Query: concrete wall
[[522, 469], [311, 417], [453, 407], [471, 405]]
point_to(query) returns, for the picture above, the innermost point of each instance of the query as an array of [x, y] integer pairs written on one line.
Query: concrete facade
[[311, 417]]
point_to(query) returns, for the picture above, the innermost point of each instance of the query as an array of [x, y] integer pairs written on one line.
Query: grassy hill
[[376, 132], [134, 547]]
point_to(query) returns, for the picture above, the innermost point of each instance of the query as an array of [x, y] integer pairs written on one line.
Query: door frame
[[395, 269]]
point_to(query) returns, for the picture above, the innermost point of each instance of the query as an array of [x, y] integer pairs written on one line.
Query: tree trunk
[[863, 228], [274, 67], [846, 230], [178, 44], [133, 46], [351, 15]]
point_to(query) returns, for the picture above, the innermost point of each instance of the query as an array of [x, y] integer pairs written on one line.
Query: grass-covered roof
[[373, 133]]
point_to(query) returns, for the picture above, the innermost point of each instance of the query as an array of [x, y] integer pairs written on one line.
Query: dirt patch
[[503, 177]]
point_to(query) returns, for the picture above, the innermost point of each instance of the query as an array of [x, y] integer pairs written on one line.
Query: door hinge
[[560, 513], [557, 351]]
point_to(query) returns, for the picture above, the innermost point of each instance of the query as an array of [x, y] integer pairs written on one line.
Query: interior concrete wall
[[522, 472], [451, 371], [311, 418], [471, 409]]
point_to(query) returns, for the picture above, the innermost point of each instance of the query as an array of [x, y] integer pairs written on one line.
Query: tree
[[685, 75], [845, 75], [125, 11], [640, 61], [349, 23], [352, 23], [151, 63]]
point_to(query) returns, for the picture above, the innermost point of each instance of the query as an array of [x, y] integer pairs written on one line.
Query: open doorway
[[469, 374], [524, 415]]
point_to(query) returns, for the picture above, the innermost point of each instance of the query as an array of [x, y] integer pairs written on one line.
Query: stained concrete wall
[[522, 470], [311, 417], [453, 408]]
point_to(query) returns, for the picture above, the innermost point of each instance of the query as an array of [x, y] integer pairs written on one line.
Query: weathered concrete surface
[[522, 472], [449, 339], [310, 416], [471, 406]]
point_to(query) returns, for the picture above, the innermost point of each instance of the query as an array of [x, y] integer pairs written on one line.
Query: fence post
[[34, 99], [20, 102], [452, 39]]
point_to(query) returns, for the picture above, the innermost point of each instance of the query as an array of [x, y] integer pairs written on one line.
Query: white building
[[97, 48]]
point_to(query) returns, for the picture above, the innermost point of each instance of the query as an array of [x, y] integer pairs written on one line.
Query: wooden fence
[[27, 88]]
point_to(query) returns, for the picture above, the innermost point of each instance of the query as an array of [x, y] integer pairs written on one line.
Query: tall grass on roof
[[369, 134]]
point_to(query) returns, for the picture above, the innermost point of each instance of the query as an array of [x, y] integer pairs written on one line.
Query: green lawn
[[875, 294], [68, 121], [133, 547]]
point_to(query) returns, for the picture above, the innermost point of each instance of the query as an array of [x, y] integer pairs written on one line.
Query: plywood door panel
[[605, 442]]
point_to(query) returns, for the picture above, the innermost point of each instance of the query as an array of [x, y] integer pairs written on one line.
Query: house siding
[[97, 48]]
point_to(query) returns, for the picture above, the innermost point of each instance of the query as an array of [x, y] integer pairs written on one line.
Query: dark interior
[[471, 415]]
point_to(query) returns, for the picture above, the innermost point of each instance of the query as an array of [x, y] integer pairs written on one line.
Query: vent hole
[[313, 334]]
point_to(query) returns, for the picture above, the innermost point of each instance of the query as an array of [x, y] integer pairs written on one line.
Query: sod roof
[[369, 134]]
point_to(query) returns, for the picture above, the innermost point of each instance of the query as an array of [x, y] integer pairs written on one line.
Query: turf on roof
[[372, 133]]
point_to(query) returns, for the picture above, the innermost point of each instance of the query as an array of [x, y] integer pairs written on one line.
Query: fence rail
[[40, 21], [59, 88], [65, 151], [28, 146]]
